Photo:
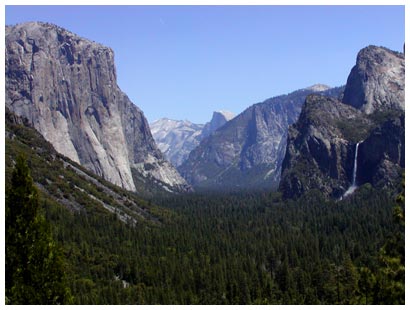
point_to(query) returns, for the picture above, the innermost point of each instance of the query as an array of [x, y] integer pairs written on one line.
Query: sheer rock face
[[321, 145], [247, 152], [382, 155], [376, 82], [321, 148], [219, 118], [66, 87]]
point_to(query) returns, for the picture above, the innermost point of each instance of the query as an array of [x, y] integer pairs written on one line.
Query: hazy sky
[[183, 62]]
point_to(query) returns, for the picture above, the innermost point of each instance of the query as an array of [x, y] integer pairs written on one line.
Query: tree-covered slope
[[66, 182]]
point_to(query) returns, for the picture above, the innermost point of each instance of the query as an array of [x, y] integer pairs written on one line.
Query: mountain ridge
[[248, 150]]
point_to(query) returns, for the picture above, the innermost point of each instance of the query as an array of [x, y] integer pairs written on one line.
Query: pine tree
[[349, 279], [390, 285], [34, 266], [366, 284]]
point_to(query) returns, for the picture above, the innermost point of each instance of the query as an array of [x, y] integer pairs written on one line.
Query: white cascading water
[[353, 187]]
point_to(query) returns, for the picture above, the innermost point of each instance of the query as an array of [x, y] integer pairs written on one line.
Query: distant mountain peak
[[227, 114], [318, 87], [219, 118], [176, 139]]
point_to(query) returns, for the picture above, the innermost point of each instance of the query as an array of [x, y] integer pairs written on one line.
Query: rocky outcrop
[[219, 118], [176, 139], [381, 157], [376, 82], [66, 86], [321, 146], [247, 152]]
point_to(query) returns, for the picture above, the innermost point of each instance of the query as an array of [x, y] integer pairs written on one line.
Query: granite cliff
[[219, 118], [321, 145], [66, 86], [376, 82]]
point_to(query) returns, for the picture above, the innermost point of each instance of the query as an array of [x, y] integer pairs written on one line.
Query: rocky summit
[[66, 86], [376, 82], [219, 118], [247, 152], [176, 139], [362, 134]]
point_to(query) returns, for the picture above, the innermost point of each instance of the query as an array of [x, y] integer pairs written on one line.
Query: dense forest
[[242, 248], [236, 250], [248, 249]]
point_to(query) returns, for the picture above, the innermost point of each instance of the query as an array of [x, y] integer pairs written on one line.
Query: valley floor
[[249, 249]]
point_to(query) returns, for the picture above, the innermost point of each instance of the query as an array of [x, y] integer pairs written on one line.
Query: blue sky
[[184, 62]]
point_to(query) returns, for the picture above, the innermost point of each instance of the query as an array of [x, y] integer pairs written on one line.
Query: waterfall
[[355, 165], [353, 186]]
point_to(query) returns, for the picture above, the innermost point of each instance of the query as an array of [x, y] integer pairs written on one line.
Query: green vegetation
[[232, 179], [244, 248], [67, 182], [34, 264], [389, 283], [380, 117], [356, 130], [249, 249]]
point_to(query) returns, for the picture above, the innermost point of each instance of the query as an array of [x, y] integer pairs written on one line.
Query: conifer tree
[[390, 284], [34, 266]]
